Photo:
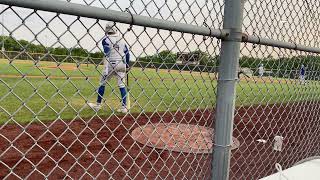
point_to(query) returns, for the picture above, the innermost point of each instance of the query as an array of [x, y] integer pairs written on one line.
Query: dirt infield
[[83, 77], [253, 79], [58, 150], [66, 67]]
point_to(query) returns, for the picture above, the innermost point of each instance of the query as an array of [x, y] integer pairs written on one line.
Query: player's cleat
[[94, 106], [122, 110]]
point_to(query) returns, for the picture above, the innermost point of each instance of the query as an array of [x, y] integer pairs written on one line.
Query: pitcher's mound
[[178, 137]]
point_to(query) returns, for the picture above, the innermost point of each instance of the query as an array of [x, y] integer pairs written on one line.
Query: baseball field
[[45, 92], [99, 145]]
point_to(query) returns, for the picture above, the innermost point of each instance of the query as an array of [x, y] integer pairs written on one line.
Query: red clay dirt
[[103, 149], [64, 67]]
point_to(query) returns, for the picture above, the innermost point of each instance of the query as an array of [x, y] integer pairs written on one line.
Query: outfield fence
[[186, 118]]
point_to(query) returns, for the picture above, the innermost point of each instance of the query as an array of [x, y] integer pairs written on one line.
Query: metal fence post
[[229, 60]]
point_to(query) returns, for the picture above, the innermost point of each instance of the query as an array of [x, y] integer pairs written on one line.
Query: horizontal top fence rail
[[280, 44], [129, 18], [111, 15], [175, 10]]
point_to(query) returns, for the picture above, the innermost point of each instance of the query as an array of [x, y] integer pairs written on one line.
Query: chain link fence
[[208, 88]]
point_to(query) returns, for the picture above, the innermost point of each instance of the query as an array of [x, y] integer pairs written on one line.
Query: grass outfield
[[150, 91]]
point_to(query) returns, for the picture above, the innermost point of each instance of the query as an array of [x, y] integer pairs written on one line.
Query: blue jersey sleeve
[[106, 47], [127, 53]]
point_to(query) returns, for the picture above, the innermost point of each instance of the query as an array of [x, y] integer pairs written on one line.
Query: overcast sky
[[284, 20]]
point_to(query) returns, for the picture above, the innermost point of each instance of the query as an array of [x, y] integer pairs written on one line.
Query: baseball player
[[261, 70], [302, 74], [116, 62]]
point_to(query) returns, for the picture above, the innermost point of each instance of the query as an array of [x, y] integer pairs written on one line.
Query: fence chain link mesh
[[50, 68], [282, 100]]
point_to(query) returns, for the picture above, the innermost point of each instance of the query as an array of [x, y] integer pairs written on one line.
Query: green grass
[[150, 91]]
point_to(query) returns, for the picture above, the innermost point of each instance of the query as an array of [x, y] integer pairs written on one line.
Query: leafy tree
[[97, 55], [60, 51], [79, 52], [166, 57]]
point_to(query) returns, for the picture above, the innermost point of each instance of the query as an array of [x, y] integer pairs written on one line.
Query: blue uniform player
[[116, 62], [302, 74]]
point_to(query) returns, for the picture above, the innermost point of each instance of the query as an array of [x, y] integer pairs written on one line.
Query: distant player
[[116, 61], [302, 74], [261, 70]]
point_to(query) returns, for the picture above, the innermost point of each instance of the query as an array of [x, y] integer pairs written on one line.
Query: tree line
[[12, 44], [280, 67]]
